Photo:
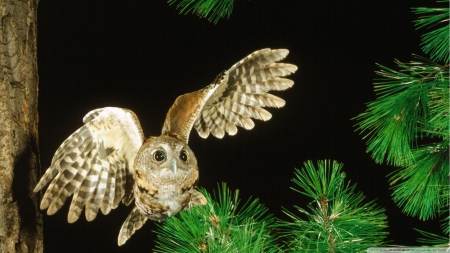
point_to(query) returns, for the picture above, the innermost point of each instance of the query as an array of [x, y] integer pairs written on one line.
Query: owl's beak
[[174, 165]]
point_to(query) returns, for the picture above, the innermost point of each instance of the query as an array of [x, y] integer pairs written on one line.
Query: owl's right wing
[[95, 164]]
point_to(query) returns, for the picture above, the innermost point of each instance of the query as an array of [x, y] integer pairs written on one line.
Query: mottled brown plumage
[[108, 160]]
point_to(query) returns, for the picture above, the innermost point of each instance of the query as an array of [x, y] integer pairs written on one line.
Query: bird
[[108, 160]]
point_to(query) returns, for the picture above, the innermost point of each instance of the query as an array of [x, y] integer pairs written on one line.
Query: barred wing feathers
[[236, 96], [134, 221], [95, 164]]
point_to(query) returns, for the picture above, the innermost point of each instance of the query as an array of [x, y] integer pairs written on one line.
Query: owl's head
[[165, 160], [165, 173]]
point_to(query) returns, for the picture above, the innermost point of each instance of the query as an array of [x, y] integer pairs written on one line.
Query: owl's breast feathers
[[159, 197], [167, 201]]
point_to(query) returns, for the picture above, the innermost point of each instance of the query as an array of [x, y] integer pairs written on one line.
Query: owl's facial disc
[[166, 157]]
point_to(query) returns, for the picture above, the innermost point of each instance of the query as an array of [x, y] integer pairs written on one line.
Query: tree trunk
[[20, 221]]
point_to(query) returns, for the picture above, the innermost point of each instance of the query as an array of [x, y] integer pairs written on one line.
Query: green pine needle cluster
[[216, 9], [411, 104], [436, 42], [222, 225], [408, 126], [433, 239], [423, 183], [439, 240], [337, 219]]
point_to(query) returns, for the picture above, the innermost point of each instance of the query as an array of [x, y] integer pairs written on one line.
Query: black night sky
[[141, 55]]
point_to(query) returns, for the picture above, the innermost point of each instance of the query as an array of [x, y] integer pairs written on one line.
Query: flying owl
[[108, 160]]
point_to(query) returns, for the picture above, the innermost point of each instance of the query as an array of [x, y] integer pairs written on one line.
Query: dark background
[[141, 55]]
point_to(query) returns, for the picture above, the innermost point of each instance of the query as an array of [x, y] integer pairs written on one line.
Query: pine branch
[[408, 125], [338, 220], [435, 42], [423, 183], [216, 9], [401, 115], [411, 110], [222, 225], [434, 239]]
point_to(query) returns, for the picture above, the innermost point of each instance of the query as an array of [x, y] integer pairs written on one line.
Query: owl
[[108, 160]]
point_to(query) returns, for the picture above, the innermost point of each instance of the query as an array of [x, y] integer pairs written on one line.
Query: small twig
[[324, 205], [432, 73]]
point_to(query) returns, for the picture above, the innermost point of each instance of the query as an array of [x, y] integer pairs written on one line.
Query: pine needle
[[435, 42], [216, 9]]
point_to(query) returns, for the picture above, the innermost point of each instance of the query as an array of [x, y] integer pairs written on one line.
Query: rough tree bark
[[20, 221]]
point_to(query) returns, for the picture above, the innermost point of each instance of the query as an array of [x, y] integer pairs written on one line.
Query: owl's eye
[[159, 155], [183, 156]]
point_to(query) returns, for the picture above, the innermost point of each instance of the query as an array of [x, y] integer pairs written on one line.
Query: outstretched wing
[[236, 96], [95, 164]]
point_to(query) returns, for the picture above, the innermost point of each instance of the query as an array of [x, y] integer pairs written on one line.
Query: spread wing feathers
[[236, 96], [134, 221], [242, 93], [94, 164]]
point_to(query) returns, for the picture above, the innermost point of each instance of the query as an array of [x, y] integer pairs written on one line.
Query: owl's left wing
[[95, 164], [236, 96]]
